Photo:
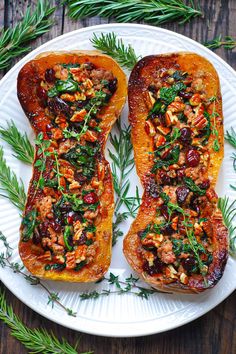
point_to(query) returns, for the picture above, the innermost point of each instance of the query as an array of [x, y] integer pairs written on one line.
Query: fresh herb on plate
[[12, 187], [5, 261], [230, 136], [13, 41], [228, 210], [109, 44], [151, 11], [19, 142], [122, 165]]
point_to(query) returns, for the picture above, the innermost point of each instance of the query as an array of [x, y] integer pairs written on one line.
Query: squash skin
[[26, 88], [139, 81]]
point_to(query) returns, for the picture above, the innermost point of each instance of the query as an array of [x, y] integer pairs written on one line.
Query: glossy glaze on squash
[[72, 100], [178, 241]]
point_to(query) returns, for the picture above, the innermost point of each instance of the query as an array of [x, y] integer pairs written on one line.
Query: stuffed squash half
[[178, 242], [72, 100]]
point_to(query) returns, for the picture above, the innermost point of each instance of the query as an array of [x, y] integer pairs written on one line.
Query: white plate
[[115, 315]]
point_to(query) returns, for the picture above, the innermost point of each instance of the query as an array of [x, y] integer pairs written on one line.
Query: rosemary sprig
[[36, 340], [230, 136], [5, 261], [13, 41], [152, 11], [13, 188], [122, 164], [229, 212], [109, 44], [227, 42], [130, 285], [20, 143]]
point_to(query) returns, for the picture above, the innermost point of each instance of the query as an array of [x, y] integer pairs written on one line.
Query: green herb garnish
[[13, 41], [154, 12], [12, 187], [109, 44], [193, 187], [19, 142], [228, 210], [168, 94], [227, 42]]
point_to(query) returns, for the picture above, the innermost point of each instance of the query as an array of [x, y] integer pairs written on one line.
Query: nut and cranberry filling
[[177, 244], [69, 171]]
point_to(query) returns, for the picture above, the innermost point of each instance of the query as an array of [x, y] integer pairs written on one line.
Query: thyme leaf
[[36, 340], [13, 41], [5, 261], [151, 11]]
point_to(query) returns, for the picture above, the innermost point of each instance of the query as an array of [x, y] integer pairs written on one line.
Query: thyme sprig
[[13, 41], [5, 261], [227, 42], [228, 210], [109, 44], [122, 164], [152, 11], [19, 142], [230, 136], [129, 285], [12, 187], [36, 340]]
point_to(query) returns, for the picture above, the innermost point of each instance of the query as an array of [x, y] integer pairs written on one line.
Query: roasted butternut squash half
[[178, 242], [72, 100]]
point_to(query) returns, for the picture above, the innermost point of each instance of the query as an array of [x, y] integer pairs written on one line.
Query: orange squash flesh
[[31, 80], [151, 74]]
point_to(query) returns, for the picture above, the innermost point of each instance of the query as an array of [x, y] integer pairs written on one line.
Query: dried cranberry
[[194, 204], [72, 217], [42, 95], [80, 178], [57, 106], [112, 86], [152, 189], [185, 135], [90, 198], [89, 66], [50, 75], [204, 184], [164, 211], [181, 194], [167, 229], [43, 229], [180, 174], [186, 95], [189, 264], [152, 88], [156, 268], [164, 178], [55, 225], [192, 158], [36, 237], [82, 239]]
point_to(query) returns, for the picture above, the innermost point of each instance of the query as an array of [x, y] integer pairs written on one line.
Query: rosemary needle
[[20, 143], [13, 41], [109, 44], [227, 42], [151, 11], [13, 188], [228, 211], [36, 340]]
